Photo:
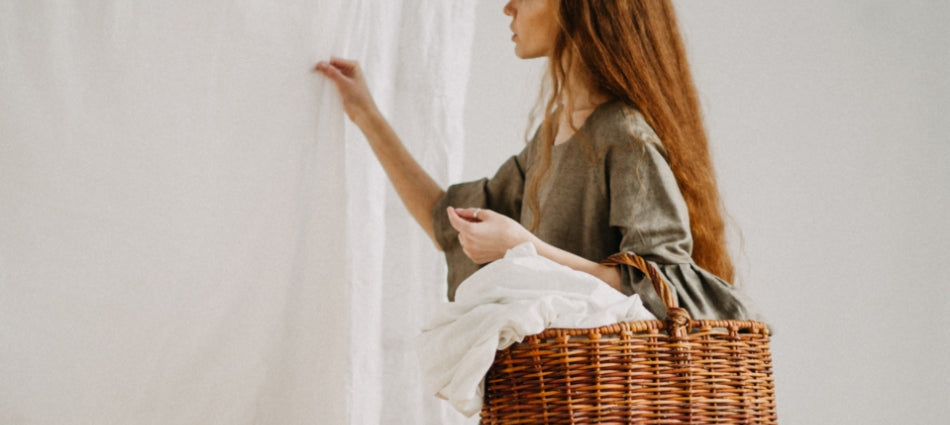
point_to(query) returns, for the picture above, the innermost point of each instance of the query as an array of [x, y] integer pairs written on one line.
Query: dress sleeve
[[648, 210], [501, 193]]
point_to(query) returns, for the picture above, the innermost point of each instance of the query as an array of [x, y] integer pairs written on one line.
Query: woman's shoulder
[[618, 124]]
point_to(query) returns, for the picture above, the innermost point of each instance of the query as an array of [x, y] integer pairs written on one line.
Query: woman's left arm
[[485, 236]]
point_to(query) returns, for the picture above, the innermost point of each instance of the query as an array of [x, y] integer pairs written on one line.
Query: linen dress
[[609, 190]]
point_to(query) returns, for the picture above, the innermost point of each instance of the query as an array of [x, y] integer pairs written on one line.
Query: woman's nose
[[509, 8]]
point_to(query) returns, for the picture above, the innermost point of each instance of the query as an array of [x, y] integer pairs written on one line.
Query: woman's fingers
[[457, 221], [338, 67], [348, 67], [330, 72], [477, 238], [345, 74], [472, 214], [342, 67], [486, 235]]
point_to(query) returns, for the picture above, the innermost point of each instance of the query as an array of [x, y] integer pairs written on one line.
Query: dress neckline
[[587, 121]]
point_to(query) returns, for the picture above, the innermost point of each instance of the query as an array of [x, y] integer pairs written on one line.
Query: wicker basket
[[677, 371]]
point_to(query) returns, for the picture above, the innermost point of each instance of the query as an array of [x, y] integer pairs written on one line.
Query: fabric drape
[[190, 230]]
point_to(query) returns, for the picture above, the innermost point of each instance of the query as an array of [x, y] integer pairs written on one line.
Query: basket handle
[[677, 318], [660, 285]]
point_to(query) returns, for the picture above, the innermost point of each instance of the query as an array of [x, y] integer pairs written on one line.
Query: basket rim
[[700, 325]]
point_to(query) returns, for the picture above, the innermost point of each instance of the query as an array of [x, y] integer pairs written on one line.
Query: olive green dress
[[609, 190]]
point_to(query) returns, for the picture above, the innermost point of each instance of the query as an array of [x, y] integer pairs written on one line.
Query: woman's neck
[[579, 90], [580, 99], [579, 103]]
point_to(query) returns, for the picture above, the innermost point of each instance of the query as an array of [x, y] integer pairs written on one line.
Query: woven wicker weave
[[677, 371]]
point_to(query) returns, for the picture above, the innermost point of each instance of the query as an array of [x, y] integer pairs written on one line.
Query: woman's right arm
[[418, 191]]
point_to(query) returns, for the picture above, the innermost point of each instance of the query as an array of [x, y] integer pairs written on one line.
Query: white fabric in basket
[[519, 295]]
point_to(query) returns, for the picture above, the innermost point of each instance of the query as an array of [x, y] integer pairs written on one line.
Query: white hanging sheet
[[191, 233]]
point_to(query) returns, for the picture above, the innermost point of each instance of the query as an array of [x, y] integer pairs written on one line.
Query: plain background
[[828, 127]]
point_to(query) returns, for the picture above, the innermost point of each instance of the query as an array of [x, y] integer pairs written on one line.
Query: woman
[[620, 163]]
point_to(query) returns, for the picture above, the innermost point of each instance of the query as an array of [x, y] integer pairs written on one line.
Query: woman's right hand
[[485, 235], [348, 77]]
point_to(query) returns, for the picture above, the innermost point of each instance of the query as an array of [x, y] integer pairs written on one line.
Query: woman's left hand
[[486, 235]]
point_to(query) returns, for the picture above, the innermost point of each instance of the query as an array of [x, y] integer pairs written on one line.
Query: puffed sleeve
[[501, 193], [648, 210]]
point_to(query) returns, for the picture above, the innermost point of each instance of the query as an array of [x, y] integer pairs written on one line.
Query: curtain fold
[[190, 229]]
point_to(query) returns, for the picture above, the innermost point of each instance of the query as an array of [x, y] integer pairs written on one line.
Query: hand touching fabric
[[348, 77], [416, 188], [486, 235]]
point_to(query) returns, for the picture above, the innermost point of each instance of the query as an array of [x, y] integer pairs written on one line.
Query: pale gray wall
[[830, 138]]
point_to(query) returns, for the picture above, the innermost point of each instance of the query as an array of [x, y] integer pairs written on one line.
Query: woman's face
[[534, 25]]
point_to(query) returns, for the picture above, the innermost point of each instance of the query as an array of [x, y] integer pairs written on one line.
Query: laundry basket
[[676, 371]]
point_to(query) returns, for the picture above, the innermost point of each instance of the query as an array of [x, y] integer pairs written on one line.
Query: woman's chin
[[526, 54]]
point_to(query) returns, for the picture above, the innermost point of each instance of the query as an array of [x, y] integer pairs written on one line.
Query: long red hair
[[632, 50]]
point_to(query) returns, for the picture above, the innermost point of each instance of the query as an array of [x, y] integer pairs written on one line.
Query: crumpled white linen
[[519, 295]]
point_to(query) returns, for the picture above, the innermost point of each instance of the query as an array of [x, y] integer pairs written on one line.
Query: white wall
[[830, 140]]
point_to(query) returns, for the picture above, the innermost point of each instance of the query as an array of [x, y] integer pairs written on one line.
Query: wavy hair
[[632, 50]]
